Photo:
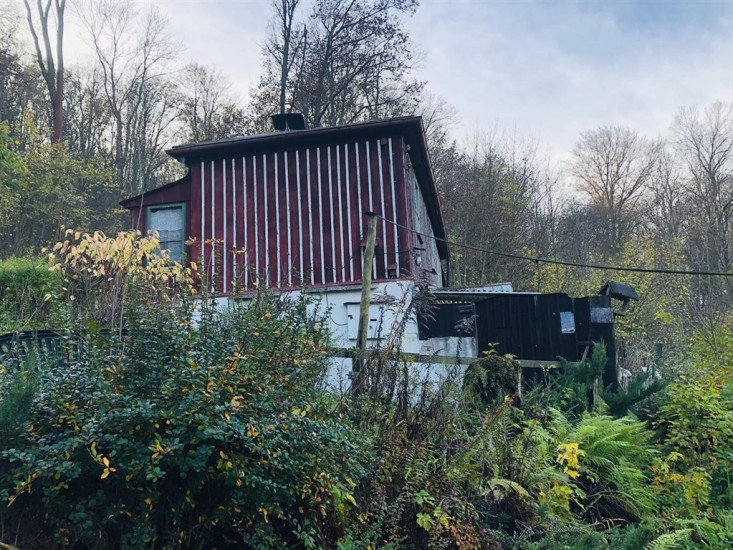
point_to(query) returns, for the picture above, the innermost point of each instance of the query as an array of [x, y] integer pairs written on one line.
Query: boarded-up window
[[169, 220]]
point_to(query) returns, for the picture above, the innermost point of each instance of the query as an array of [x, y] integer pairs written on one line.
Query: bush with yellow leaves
[[101, 274]]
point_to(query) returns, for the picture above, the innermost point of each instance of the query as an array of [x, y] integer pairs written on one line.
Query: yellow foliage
[[570, 454], [101, 273]]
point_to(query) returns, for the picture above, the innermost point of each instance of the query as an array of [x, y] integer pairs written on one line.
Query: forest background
[[75, 140]]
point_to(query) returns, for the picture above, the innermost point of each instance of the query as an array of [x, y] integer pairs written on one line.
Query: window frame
[[169, 205]]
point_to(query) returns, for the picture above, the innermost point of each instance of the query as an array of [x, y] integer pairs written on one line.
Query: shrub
[[29, 295], [182, 434], [189, 436], [490, 379], [100, 274]]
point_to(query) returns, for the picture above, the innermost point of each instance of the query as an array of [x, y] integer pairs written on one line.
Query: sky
[[544, 70]]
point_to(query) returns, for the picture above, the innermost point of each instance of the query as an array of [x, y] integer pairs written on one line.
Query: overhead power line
[[560, 262]]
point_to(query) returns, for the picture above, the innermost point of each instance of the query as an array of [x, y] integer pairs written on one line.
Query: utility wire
[[560, 262]]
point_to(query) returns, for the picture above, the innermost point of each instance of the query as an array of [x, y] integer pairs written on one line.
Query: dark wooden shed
[[284, 208]]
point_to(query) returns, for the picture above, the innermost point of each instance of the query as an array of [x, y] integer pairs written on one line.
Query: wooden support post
[[366, 288], [596, 395]]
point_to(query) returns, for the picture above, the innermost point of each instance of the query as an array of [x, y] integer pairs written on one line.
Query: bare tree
[[51, 69], [705, 139], [351, 60], [285, 44], [490, 196], [612, 165], [133, 53], [438, 118], [86, 114], [669, 203], [207, 109]]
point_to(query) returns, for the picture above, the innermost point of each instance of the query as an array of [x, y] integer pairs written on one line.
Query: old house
[[285, 211]]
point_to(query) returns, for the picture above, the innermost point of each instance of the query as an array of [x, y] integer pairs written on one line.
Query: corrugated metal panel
[[275, 218], [589, 331], [446, 320], [531, 327], [528, 326]]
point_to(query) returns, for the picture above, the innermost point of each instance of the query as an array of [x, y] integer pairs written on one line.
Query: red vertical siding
[[405, 236], [295, 215], [306, 206], [298, 215]]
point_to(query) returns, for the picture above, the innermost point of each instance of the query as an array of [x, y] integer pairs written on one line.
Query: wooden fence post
[[366, 288]]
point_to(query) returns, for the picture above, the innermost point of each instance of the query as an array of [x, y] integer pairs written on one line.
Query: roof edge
[[137, 198], [294, 136], [424, 172]]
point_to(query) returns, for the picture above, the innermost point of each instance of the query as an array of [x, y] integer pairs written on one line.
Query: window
[[169, 221]]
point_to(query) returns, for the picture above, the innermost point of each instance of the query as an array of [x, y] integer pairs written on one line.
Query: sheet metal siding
[[526, 326], [279, 218], [588, 332]]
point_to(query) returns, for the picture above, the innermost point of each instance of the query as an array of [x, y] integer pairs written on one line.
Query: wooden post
[[366, 288], [596, 396]]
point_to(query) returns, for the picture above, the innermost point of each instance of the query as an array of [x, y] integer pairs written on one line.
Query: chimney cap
[[288, 121]]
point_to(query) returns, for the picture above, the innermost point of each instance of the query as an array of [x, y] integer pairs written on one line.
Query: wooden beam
[[356, 354]]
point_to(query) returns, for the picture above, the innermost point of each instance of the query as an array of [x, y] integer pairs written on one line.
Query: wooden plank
[[366, 283], [535, 364], [352, 353]]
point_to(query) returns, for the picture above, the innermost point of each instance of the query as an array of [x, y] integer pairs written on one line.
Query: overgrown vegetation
[[29, 295], [194, 428]]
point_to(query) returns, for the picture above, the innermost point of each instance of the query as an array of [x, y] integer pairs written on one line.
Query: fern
[[615, 452], [669, 541], [509, 486]]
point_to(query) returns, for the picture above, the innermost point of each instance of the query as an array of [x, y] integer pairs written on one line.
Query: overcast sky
[[543, 69]]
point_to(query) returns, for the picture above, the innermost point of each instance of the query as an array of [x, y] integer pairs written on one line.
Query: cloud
[[544, 69], [227, 35], [555, 69]]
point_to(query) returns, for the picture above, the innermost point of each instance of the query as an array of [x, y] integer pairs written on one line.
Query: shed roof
[[157, 194], [620, 291]]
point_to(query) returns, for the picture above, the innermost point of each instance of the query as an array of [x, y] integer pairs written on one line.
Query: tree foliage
[[347, 61]]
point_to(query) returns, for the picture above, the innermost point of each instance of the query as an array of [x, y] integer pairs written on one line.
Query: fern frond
[[669, 541], [509, 486]]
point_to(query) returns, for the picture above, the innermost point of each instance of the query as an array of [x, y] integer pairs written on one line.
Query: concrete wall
[[392, 323]]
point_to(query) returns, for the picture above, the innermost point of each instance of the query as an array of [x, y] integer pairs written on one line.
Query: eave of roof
[[133, 201], [295, 137]]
